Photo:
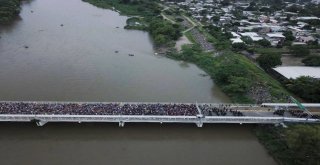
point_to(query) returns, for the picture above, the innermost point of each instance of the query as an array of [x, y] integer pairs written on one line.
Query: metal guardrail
[[243, 119], [152, 119], [121, 103]]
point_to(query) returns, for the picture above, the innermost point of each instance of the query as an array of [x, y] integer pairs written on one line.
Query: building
[[254, 36], [298, 71]]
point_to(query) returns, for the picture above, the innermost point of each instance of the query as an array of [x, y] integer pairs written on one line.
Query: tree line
[[9, 9]]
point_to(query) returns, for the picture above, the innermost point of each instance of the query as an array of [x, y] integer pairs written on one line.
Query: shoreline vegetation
[[8, 10], [145, 15], [299, 144], [237, 76]]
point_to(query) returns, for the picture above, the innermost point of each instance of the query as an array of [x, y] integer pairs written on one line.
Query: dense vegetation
[[146, 8], [299, 51], [306, 87], [136, 23], [164, 31], [147, 18], [307, 10], [239, 46], [235, 74], [220, 39], [312, 61], [9, 9], [295, 145], [264, 43], [268, 61]]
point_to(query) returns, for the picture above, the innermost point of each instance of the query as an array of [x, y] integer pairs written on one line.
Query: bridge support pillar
[[121, 124], [283, 125], [41, 123], [200, 124]]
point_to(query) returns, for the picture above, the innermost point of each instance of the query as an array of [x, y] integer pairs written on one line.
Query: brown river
[[78, 61], [65, 50]]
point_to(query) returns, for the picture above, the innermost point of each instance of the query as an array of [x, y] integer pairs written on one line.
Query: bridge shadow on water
[[134, 131], [134, 144]]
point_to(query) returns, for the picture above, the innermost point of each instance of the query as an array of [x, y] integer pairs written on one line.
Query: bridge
[[122, 112]]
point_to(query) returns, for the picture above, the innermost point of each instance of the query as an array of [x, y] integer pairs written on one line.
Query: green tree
[[315, 42], [125, 1], [312, 61], [9, 9], [247, 40], [293, 8], [225, 2], [289, 36], [228, 69], [252, 7], [267, 61], [298, 144], [215, 18], [306, 87], [239, 46], [304, 142], [264, 43], [163, 31], [299, 51], [160, 39], [238, 85]]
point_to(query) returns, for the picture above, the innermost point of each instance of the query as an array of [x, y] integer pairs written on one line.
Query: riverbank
[[8, 10], [145, 15], [238, 77], [145, 8], [295, 145]]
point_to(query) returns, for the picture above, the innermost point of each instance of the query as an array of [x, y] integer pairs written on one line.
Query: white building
[[254, 36], [298, 71], [236, 40]]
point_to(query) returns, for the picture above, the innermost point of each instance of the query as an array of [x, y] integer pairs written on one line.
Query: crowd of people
[[201, 40], [279, 112], [301, 114], [219, 110], [296, 113], [117, 109], [132, 109], [98, 109]]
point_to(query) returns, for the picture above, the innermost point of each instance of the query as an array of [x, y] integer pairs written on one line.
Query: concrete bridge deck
[[9, 112]]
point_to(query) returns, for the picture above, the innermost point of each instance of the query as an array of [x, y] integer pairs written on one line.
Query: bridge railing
[[242, 119], [133, 103], [99, 118], [117, 118], [17, 118], [158, 119]]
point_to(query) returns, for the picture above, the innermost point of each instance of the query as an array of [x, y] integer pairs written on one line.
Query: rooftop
[[297, 71], [275, 35], [236, 40], [250, 34]]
